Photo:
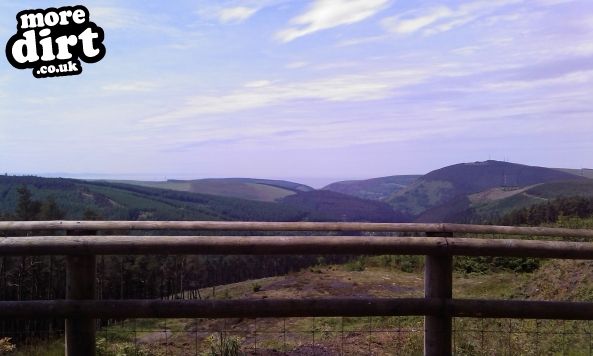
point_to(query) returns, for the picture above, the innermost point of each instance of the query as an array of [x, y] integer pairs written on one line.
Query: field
[[243, 188]]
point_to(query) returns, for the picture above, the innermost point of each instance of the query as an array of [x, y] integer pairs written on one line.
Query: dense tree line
[[550, 211], [325, 205], [558, 212]]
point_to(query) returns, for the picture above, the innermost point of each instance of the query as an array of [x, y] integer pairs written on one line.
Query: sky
[[307, 90]]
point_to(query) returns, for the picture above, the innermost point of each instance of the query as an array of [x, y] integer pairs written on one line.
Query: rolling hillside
[[331, 206], [467, 192], [244, 188], [444, 193], [133, 202], [532, 195], [492, 204], [584, 172], [375, 188]]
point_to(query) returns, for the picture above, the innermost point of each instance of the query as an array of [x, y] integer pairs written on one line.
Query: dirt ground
[[314, 336]]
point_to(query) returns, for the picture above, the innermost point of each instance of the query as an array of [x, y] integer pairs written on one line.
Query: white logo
[[53, 41]]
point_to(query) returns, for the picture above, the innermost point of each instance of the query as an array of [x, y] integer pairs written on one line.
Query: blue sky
[[310, 90]]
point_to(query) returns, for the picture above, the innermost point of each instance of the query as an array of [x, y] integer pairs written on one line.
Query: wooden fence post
[[438, 283], [80, 284]]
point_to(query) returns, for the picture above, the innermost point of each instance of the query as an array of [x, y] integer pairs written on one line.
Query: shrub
[[357, 265], [409, 264], [483, 265], [106, 348], [223, 345], [6, 346]]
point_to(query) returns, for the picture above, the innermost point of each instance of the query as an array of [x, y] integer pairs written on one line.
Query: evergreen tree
[[51, 211], [90, 214], [27, 209]]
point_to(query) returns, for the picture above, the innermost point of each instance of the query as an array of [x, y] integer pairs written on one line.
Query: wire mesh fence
[[318, 336], [266, 336], [232, 277], [340, 336]]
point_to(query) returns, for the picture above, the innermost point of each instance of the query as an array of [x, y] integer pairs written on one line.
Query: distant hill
[[425, 197], [133, 202], [492, 204], [537, 194], [123, 201], [323, 205], [375, 188], [244, 188], [584, 172], [467, 192]]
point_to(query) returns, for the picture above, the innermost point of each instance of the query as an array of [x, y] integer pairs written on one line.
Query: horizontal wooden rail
[[290, 226], [283, 245], [285, 308], [438, 245], [221, 308]]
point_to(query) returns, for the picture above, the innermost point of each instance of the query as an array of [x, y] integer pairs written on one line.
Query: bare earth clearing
[[310, 336]]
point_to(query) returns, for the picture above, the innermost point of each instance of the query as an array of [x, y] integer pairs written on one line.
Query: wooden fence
[[81, 244]]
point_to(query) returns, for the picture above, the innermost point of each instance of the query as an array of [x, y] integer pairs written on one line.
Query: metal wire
[[346, 336], [343, 336]]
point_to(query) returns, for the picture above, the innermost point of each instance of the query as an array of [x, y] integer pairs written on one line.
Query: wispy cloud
[[111, 17], [326, 14], [337, 65], [297, 64], [236, 14], [257, 84], [416, 20], [554, 2], [233, 11], [437, 19], [134, 86], [335, 89], [569, 79], [360, 40], [121, 20]]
